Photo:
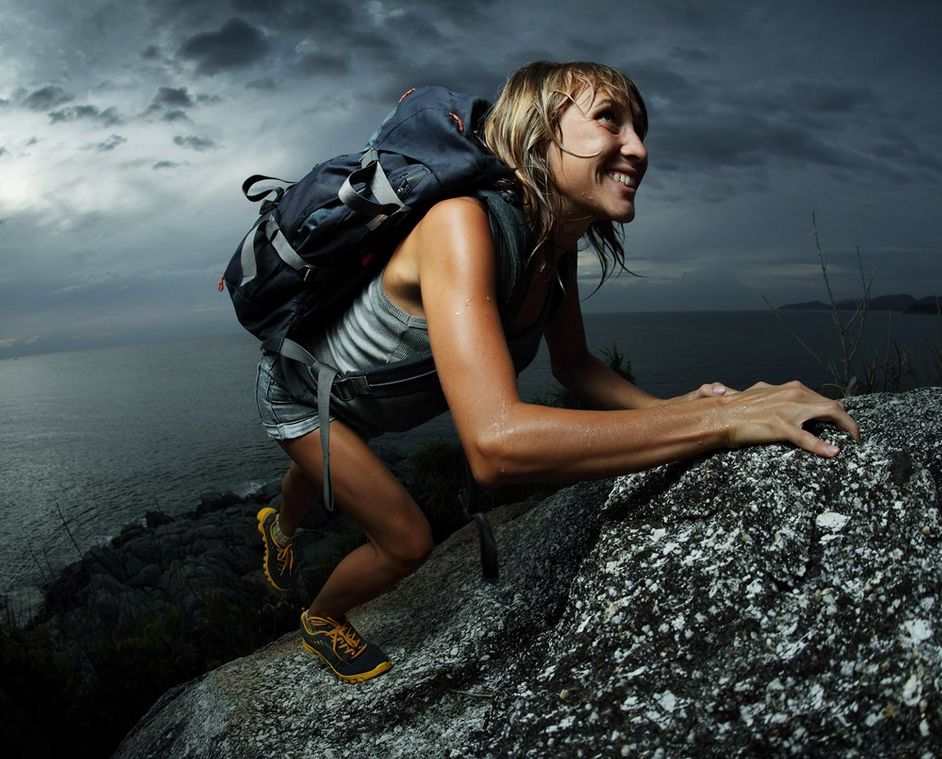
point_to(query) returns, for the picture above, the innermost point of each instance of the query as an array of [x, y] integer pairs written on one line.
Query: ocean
[[91, 440]]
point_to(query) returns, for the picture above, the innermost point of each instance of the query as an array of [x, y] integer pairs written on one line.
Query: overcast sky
[[126, 129]]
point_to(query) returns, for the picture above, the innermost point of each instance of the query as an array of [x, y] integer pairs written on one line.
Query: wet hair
[[524, 123]]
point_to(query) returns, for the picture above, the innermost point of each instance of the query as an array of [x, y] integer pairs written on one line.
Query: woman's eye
[[608, 117]]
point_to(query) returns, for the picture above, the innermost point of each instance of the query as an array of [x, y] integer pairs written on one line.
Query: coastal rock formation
[[747, 602], [176, 566]]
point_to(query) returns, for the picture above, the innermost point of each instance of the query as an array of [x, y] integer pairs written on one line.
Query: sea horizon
[[11, 348]]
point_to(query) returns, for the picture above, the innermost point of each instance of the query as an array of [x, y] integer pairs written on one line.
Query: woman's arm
[[592, 380], [507, 440]]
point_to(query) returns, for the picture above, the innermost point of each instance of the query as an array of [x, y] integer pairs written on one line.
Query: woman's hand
[[776, 413]]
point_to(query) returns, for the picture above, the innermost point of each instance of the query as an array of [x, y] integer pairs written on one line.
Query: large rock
[[748, 602]]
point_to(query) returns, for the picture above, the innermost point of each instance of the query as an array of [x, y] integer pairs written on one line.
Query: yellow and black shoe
[[342, 649], [278, 564]]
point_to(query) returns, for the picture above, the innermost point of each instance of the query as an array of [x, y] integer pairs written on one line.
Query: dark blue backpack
[[318, 242]]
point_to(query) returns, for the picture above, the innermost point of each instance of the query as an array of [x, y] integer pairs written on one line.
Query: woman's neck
[[566, 238]]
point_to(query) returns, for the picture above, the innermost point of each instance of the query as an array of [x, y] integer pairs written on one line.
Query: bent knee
[[408, 552]]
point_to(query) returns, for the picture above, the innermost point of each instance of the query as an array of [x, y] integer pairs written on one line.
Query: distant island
[[907, 304]]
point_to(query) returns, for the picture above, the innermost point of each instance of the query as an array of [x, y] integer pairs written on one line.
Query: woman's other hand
[[706, 390]]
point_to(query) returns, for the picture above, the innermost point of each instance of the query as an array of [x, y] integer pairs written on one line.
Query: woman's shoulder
[[455, 224], [460, 209]]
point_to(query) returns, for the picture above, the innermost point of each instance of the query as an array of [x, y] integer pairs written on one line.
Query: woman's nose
[[632, 147]]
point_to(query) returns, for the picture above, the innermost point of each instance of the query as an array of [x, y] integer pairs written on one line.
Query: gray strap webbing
[[247, 259], [371, 172], [325, 378], [326, 375], [285, 252], [273, 234]]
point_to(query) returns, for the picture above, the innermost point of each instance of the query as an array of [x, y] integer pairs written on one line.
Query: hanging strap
[[471, 503], [326, 375]]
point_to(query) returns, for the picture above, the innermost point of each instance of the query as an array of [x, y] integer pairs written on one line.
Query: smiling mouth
[[624, 179]]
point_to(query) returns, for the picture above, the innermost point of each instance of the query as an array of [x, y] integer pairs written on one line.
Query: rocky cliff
[[749, 602]]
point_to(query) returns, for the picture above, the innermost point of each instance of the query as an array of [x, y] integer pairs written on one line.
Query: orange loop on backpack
[[458, 121], [407, 93]]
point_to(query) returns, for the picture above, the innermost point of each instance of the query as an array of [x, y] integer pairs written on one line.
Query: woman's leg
[[298, 494], [399, 536]]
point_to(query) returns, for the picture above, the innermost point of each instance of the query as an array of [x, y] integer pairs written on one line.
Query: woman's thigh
[[364, 488]]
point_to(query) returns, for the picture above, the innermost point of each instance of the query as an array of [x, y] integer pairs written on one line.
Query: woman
[[573, 134]]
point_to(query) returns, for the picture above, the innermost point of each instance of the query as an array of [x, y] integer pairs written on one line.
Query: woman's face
[[604, 159]]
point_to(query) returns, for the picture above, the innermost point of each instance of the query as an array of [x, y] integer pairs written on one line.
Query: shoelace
[[285, 556], [342, 636], [346, 637]]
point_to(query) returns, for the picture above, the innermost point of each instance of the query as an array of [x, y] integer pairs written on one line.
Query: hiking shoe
[[350, 657], [278, 564]]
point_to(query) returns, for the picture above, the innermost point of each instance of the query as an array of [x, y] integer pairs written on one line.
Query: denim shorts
[[283, 416]]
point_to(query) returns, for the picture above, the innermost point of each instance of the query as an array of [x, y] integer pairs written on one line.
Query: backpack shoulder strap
[[510, 234]]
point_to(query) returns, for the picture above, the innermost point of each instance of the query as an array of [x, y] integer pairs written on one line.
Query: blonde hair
[[524, 122]]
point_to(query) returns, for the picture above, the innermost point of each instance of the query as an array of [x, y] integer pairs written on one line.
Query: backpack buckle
[[308, 273]]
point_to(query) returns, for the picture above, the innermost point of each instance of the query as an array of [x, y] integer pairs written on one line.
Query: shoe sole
[[358, 678], [261, 517]]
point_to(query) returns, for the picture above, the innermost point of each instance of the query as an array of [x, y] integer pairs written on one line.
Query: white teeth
[[624, 179]]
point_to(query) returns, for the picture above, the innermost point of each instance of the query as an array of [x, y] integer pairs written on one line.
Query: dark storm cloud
[[484, 79], [47, 97], [266, 83], [830, 97], [464, 11], [174, 100], [809, 103], [693, 55], [236, 44], [166, 165], [194, 143], [308, 15], [656, 79], [151, 53], [110, 144], [341, 38], [107, 117], [704, 126], [416, 28], [914, 161], [744, 141], [175, 115], [339, 51], [321, 64], [172, 97]]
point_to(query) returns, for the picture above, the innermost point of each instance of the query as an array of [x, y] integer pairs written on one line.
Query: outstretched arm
[[508, 440]]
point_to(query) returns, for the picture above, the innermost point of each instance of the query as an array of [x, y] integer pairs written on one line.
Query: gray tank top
[[374, 332]]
